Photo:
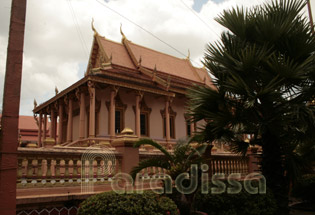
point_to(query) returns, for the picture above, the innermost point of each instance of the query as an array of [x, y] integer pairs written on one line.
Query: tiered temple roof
[[133, 66]]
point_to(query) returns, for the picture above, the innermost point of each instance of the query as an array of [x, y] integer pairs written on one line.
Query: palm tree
[[174, 163], [263, 70]]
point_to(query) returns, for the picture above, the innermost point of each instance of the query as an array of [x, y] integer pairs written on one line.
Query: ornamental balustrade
[[66, 166], [50, 166]]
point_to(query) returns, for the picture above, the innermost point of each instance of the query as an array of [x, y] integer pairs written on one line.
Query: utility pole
[[310, 15], [10, 109]]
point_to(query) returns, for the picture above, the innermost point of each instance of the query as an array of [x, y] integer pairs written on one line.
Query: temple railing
[[228, 164], [51, 166], [70, 166]]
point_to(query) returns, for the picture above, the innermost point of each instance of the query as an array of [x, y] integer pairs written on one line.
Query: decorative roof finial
[[188, 56], [35, 103], [140, 60], [56, 90], [154, 73], [93, 28], [121, 32], [111, 57]]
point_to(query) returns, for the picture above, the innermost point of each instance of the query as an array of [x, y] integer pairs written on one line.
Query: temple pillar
[[113, 93], [124, 145], [82, 116], [167, 120], [70, 120], [45, 127], [55, 127], [192, 128], [92, 109], [52, 123], [137, 121], [60, 124], [39, 141]]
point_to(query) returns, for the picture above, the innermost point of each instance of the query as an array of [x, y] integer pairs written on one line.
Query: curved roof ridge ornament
[[188, 56], [35, 103], [122, 33], [154, 73], [93, 28], [140, 60], [56, 90]]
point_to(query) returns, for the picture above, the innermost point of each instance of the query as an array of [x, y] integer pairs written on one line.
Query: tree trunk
[[274, 172]]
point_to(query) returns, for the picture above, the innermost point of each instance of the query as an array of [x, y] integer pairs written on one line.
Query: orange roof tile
[[119, 54], [165, 63], [27, 122]]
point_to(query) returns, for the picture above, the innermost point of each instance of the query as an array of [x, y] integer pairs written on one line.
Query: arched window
[[120, 109], [145, 112]]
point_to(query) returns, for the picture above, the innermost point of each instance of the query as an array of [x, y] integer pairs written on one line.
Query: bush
[[236, 204], [110, 203], [305, 188]]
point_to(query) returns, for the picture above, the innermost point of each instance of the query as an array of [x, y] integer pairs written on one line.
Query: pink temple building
[[125, 86], [128, 92]]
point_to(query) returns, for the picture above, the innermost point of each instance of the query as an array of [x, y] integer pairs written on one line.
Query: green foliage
[[110, 203], [305, 188], [264, 77], [235, 204], [174, 163]]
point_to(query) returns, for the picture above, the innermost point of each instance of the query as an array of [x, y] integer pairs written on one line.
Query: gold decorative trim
[[93, 28], [188, 56], [122, 33]]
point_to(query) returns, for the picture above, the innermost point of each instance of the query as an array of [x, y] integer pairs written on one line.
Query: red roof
[[26, 122], [150, 58], [118, 52]]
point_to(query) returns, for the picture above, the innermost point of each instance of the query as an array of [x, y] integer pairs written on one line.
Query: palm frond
[[151, 162], [146, 141]]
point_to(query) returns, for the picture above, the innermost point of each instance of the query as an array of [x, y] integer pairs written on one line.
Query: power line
[[147, 31], [196, 14], [76, 23]]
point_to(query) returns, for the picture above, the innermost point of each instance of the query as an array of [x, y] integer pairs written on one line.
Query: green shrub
[[305, 188], [110, 203], [235, 204]]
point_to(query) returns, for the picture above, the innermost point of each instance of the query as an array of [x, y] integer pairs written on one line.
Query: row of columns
[[42, 129], [80, 94], [53, 127]]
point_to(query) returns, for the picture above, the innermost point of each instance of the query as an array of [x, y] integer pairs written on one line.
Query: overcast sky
[[58, 35]]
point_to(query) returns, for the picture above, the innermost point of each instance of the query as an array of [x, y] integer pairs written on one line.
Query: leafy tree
[[263, 72]]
